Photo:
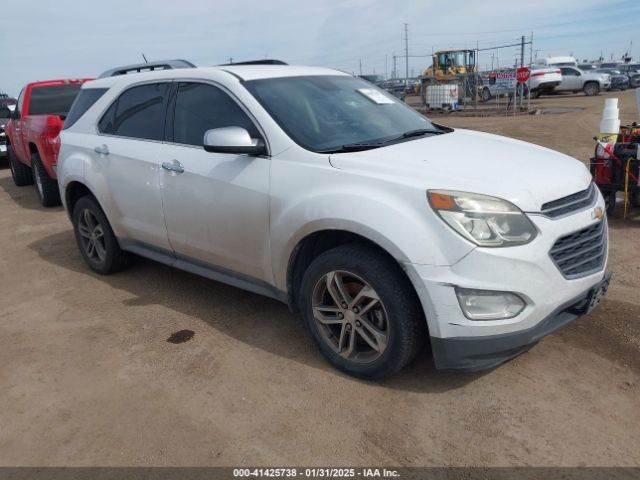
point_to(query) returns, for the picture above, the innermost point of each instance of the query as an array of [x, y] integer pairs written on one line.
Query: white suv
[[378, 227]]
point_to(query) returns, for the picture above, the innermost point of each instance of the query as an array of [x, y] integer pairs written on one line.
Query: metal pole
[[406, 54]]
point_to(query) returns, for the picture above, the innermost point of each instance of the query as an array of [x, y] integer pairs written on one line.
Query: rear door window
[[53, 100], [139, 112], [200, 107]]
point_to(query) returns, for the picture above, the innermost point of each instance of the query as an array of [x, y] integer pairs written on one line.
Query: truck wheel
[[20, 173], [96, 241], [486, 94], [591, 89], [361, 311], [610, 202], [634, 198], [47, 187], [535, 93]]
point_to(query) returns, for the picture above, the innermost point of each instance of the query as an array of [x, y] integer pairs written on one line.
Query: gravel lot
[[87, 376]]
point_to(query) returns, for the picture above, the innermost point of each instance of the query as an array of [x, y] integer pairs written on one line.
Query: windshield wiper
[[360, 146], [419, 132], [354, 147]]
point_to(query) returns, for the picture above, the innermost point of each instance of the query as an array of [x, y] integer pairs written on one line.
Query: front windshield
[[323, 113]]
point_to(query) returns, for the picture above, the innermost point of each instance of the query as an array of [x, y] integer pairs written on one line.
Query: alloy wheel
[[350, 316], [92, 236]]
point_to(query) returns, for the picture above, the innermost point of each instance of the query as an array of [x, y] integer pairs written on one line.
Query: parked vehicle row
[[320, 190]]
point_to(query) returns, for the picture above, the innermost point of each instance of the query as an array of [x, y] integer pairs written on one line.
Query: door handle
[[173, 166], [102, 150]]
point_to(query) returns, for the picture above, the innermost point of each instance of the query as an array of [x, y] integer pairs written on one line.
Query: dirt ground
[[87, 376]]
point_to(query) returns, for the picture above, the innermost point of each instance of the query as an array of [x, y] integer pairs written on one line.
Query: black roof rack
[[266, 61], [147, 67]]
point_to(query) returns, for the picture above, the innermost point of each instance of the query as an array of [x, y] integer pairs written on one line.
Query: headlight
[[486, 221]]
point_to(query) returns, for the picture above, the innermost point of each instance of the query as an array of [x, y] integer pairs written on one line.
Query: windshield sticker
[[375, 96]]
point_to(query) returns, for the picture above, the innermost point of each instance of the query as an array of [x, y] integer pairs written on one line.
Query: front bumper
[[481, 353], [528, 270]]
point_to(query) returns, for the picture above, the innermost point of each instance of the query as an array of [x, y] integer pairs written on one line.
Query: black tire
[[115, 258], [486, 94], [534, 93], [634, 199], [21, 174], [610, 202], [46, 187], [591, 89], [406, 328]]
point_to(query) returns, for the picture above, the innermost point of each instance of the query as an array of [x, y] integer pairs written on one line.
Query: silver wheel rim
[[350, 317], [92, 236], [38, 181]]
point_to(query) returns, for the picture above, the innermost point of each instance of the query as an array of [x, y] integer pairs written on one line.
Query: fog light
[[489, 304]]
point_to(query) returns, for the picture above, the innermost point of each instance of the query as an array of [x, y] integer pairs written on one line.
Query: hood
[[525, 174]]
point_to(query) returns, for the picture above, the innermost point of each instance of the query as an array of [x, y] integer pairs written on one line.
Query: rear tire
[[95, 238], [534, 93], [47, 187], [347, 326], [486, 94], [591, 89], [21, 174]]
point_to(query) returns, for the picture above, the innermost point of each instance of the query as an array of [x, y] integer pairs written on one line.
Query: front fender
[[403, 227]]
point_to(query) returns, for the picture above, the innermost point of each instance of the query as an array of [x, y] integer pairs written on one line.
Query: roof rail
[[266, 61], [147, 67]]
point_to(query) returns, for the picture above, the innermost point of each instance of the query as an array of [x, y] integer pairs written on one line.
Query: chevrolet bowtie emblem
[[597, 213]]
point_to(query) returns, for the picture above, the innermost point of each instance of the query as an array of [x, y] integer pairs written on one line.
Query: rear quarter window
[[83, 102]]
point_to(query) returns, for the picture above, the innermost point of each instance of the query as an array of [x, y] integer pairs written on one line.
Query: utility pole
[[522, 51], [531, 50], [386, 72], [394, 71], [360, 62], [406, 53]]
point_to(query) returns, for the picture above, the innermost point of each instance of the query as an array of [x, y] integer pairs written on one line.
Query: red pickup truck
[[33, 141]]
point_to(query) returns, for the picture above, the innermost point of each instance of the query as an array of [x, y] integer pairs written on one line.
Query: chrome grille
[[582, 252], [571, 203]]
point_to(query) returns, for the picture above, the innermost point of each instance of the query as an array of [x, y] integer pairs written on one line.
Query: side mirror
[[15, 114], [233, 140]]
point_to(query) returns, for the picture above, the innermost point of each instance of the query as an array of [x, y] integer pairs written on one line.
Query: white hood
[[523, 173]]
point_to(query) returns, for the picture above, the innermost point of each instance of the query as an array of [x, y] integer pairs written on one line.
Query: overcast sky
[[43, 39]]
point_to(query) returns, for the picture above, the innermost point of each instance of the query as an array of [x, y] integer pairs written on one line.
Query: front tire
[[95, 238], [591, 89], [47, 187], [362, 312], [21, 174]]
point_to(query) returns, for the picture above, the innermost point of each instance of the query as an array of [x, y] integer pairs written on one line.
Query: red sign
[[523, 74]]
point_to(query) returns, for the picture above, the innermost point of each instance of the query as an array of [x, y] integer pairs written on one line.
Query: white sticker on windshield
[[375, 96]]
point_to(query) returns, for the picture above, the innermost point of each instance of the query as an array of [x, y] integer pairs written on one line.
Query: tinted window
[[200, 107], [83, 102], [569, 71], [138, 113], [54, 100]]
